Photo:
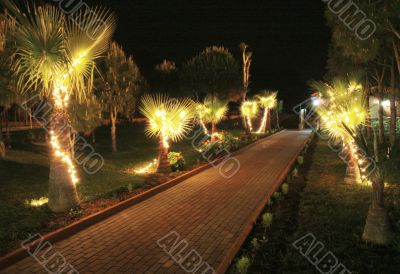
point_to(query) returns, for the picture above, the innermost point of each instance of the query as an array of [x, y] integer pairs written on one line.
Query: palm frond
[[249, 109], [343, 109], [213, 110], [88, 34], [268, 99], [40, 46], [167, 117]]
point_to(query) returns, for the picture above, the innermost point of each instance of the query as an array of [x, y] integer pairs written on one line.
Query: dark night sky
[[289, 38]]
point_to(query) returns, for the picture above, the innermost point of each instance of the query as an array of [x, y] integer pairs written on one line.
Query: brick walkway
[[208, 211]]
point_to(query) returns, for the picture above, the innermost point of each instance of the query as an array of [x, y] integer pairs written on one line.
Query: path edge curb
[[239, 241], [73, 228]]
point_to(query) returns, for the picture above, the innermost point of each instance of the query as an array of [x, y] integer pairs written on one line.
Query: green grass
[[318, 202], [24, 176], [335, 213]]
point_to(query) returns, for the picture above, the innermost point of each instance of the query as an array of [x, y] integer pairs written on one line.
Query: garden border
[[73, 228], [239, 241]]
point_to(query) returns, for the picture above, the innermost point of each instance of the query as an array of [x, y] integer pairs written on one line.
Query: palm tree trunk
[[62, 190], [72, 138], [163, 162], [352, 171], [377, 227], [393, 111], [263, 124], [268, 126], [213, 132], [277, 119], [113, 114]]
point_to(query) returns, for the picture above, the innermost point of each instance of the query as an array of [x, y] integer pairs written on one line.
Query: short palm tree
[[55, 54], [212, 111], [249, 110], [343, 113], [167, 119], [268, 101], [343, 108]]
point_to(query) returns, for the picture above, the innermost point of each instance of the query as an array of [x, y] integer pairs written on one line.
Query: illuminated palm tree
[[55, 54], [343, 109], [212, 111], [268, 101], [249, 110], [343, 113], [167, 119]]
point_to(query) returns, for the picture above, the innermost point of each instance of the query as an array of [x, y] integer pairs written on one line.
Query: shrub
[[285, 189], [176, 161], [266, 219], [255, 243], [300, 160], [229, 142], [278, 196], [295, 172], [243, 264], [226, 142]]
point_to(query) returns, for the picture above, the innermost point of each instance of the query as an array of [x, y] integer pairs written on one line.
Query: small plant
[[266, 220], [285, 189], [295, 172], [76, 212], [270, 202], [176, 161], [300, 160], [243, 264], [278, 196], [255, 243], [130, 187]]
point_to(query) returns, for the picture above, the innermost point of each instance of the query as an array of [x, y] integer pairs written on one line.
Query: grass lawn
[[320, 203], [24, 176]]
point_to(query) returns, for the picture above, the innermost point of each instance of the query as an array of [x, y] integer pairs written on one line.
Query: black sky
[[289, 38]]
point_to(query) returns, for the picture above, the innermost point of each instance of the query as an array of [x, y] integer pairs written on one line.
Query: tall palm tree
[[268, 101], [249, 110], [212, 111], [55, 54], [169, 120]]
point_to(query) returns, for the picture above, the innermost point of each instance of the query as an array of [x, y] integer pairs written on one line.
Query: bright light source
[[386, 103], [316, 102], [37, 202]]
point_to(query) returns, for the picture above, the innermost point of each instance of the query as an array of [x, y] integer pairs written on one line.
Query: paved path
[[206, 210]]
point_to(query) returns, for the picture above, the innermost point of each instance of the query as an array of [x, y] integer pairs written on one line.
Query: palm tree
[[169, 120], [343, 114], [249, 110], [55, 54], [268, 101], [212, 111], [344, 107]]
